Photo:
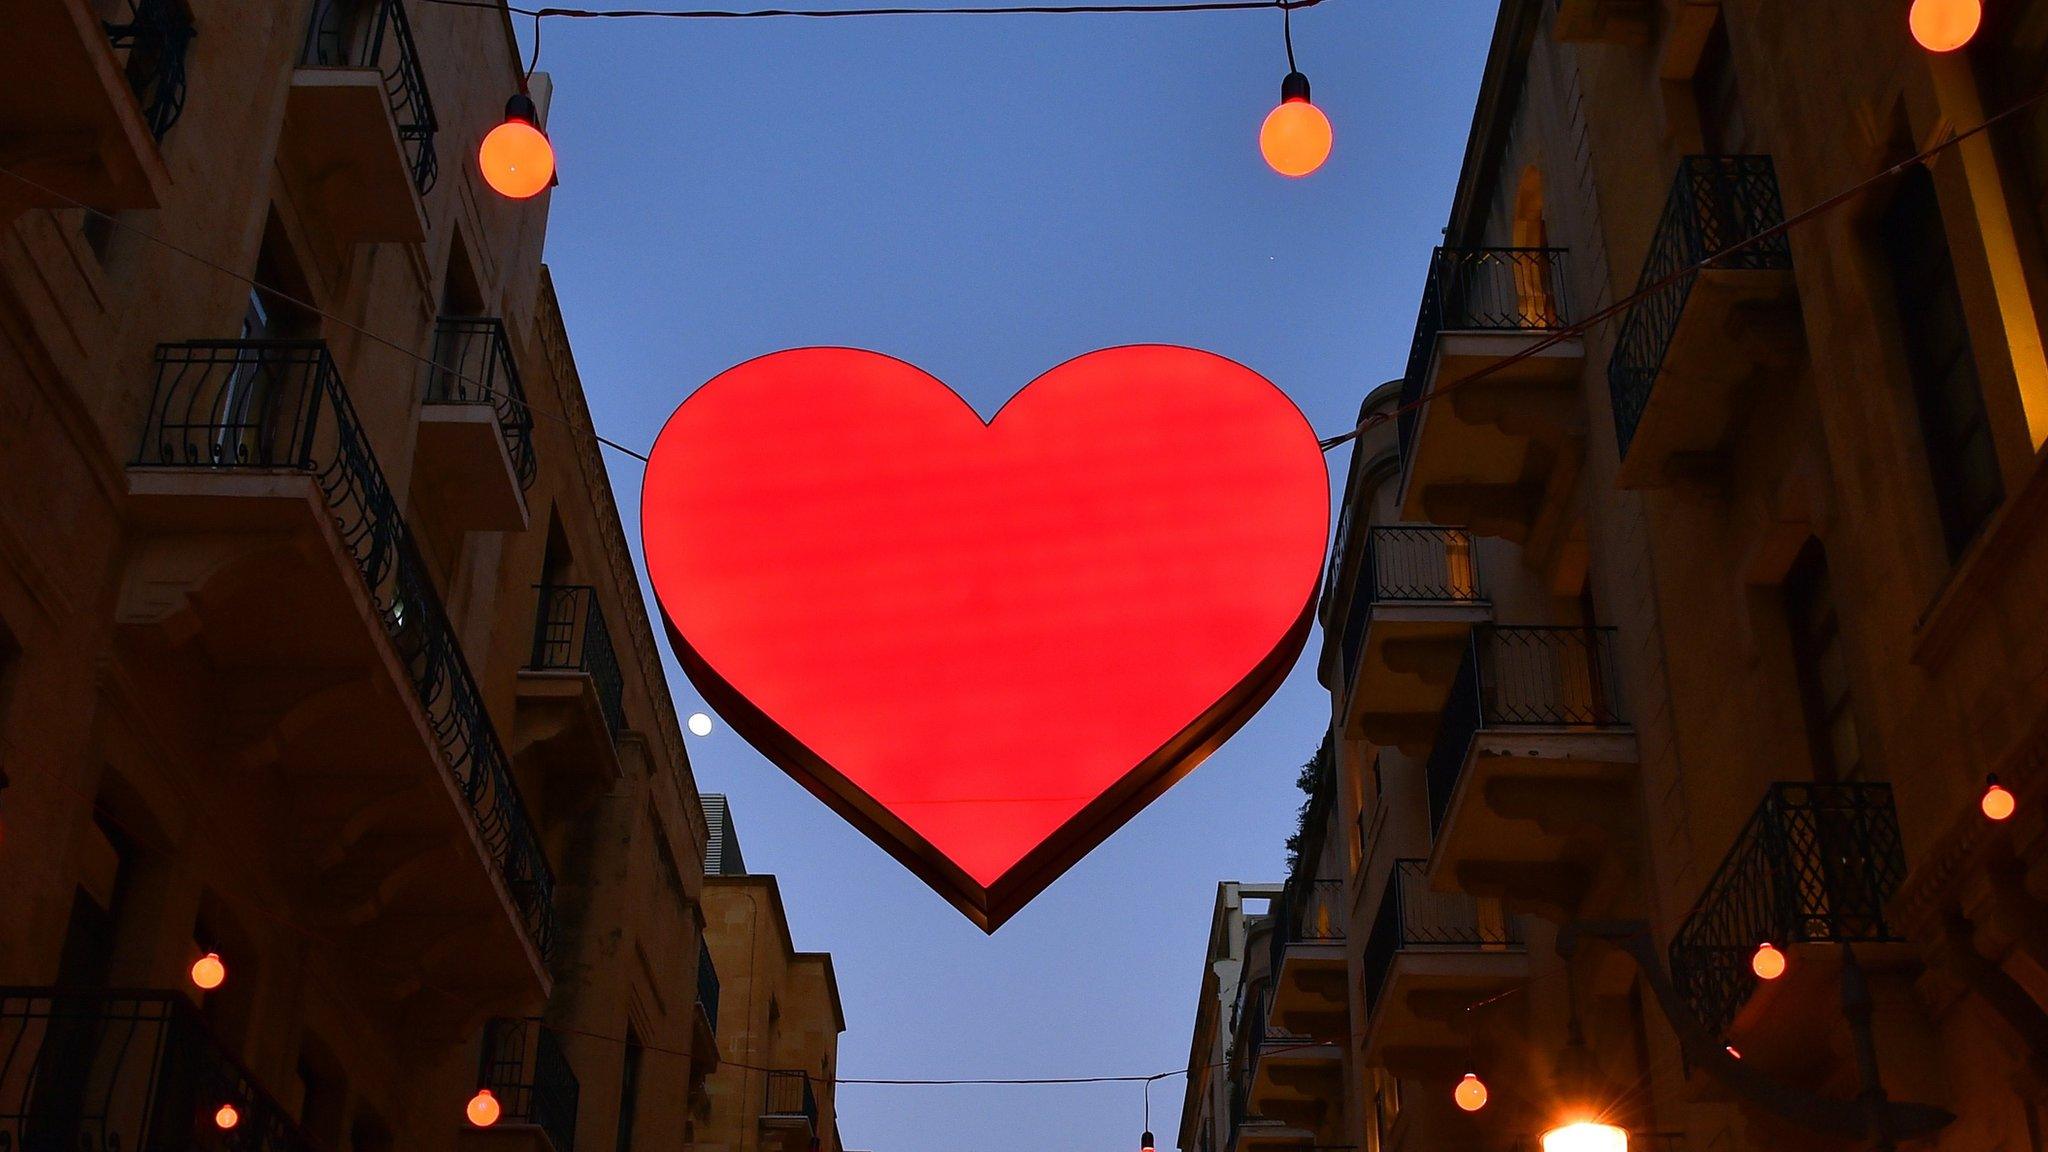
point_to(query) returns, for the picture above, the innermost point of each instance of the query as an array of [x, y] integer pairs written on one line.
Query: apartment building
[[1214, 1103], [778, 1015], [1672, 655], [344, 806]]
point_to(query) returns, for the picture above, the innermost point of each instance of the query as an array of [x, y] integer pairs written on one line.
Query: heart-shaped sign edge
[[989, 906]]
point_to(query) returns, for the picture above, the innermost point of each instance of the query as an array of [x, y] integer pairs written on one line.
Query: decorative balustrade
[[1522, 677], [1412, 918], [1715, 203], [1815, 864], [376, 34], [281, 406], [472, 364], [154, 40], [569, 634], [1479, 290], [523, 1065], [98, 1070]]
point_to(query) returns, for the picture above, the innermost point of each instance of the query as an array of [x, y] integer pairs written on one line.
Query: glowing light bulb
[[226, 1118], [1470, 1092], [483, 1108], [208, 971], [1768, 963], [1945, 25], [1296, 138], [1146, 1144], [1733, 1054], [516, 158], [1998, 804], [1586, 1136], [700, 724]]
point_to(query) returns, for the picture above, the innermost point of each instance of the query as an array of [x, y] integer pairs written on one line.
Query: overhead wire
[[1173, 6]]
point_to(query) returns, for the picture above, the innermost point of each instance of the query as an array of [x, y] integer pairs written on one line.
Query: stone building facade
[[1673, 644], [778, 1015], [321, 648]]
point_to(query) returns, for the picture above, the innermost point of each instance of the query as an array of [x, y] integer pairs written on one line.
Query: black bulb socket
[[521, 107], [1293, 87]]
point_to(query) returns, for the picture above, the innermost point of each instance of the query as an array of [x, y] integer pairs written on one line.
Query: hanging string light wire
[[1574, 330]]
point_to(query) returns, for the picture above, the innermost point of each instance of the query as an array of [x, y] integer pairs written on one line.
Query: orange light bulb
[[1470, 1092], [226, 1118], [516, 158], [483, 1108], [1997, 804], [1768, 963], [1946, 25], [1296, 137], [208, 972]]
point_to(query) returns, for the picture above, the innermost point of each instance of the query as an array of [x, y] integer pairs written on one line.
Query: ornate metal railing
[[1716, 202], [789, 1094], [1522, 677], [376, 34], [155, 37], [472, 364], [523, 1065], [707, 985], [1480, 290], [280, 405], [1412, 918], [1407, 562], [1310, 912], [99, 1070], [569, 634], [1815, 864]]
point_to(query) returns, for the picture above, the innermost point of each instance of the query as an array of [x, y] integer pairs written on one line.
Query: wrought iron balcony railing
[[523, 1065], [1480, 290], [569, 634], [119, 1069], [1522, 677], [789, 1095], [376, 34], [280, 406], [1408, 563], [1716, 202], [1815, 864], [707, 985], [472, 364], [1414, 919], [155, 38]]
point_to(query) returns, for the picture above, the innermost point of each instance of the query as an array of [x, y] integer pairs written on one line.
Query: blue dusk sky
[[987, 197]]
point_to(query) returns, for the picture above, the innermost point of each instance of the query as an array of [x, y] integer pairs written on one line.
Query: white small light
[[1586, 1136], [700, 724]]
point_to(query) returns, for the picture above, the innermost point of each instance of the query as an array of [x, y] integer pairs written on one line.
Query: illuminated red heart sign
[[987, 644]]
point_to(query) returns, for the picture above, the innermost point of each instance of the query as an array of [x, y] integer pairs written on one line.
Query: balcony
[[571, 696], [1309, 996], [1430, 957], [91, 1068], [523, 1066], [275, 585], [1250, 1132], [1502, 453], [359, 126], [88, 101], [1814, 867], [704, 1037], [1689, 357], [789, 1111], [1532, 778], [1603, 21], [1415, 604], [475, 458], [1296, 1079]]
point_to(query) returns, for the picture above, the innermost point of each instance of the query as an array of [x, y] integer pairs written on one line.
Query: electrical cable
[[827, 13]]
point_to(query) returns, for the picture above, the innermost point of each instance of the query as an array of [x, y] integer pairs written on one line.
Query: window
[[1823, 668], [1961, 458], [629, 1089]]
